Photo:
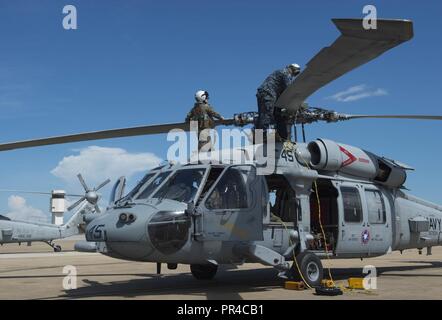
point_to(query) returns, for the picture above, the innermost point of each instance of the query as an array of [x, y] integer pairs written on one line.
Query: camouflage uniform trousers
[[205, 140]]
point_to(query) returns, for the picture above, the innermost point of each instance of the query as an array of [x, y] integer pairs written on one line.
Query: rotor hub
[[92, 197]]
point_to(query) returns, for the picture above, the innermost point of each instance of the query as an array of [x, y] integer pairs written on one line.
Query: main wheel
[[203, 271], [57, 248], [311, 268]]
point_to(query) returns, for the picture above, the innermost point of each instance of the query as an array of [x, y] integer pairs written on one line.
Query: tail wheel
[[203, 271], [311, 268]]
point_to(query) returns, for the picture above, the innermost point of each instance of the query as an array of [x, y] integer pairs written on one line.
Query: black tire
[[57, 248], [311, 269], [203, 271]]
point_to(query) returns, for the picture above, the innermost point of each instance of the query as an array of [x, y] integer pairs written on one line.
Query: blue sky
[[139, 62]]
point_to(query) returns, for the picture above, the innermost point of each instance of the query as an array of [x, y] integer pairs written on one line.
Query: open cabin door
[[234, 207]]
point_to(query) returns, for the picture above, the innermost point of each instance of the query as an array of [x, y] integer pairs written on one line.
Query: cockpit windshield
[[137, 188], [153, 185], [182, 186]]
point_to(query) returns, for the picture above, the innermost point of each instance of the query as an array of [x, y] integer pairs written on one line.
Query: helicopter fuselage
[[238, 216]]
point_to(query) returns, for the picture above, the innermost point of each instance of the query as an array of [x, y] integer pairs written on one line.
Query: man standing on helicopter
[[267, 95], [203, 113]]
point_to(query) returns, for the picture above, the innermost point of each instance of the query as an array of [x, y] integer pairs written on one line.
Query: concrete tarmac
[[36, 272]]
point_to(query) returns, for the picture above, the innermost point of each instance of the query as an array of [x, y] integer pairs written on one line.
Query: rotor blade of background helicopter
[[72, 206], [104, 134], [102, 184], [37, 192], [355, 47], [82, 182], [393, 116]]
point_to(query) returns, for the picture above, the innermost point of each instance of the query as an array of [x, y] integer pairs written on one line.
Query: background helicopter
[[18, 231], [330, 199]]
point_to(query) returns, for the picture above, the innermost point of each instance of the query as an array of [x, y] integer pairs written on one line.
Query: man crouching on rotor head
[[267, 95], [203, 113]]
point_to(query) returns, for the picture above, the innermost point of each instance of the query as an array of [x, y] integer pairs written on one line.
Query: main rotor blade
[[37, 192], [355, 47], [392, 116], [25, 191], [104, 134]]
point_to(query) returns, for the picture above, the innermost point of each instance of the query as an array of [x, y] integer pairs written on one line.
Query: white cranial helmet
[[295, 68], [201, 96]]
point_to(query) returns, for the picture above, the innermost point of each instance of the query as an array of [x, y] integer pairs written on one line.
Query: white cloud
[[96, 164], [358, 92], [20, 210]]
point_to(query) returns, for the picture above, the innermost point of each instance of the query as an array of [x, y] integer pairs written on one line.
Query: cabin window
[[284, 206], [352, 204], [376, 207], [230, 192]]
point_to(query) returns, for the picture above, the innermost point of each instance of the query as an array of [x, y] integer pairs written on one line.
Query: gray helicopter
[[20, 231], [323, 199]]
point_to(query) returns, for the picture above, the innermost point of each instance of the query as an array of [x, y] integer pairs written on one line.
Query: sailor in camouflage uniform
[[203, 112]]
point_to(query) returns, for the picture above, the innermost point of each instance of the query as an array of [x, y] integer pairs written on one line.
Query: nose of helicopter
[[138, 231], [119, 225]]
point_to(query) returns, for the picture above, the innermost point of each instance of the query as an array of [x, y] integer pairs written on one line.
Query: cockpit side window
[[230, 192], [182, 186], [153, 185], [214, 174]]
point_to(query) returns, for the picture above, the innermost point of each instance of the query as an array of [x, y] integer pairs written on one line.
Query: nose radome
[[168, 231], [119, 239], [164, 231]]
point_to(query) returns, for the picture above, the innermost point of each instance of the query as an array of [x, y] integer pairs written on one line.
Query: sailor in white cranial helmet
[[204, 114]]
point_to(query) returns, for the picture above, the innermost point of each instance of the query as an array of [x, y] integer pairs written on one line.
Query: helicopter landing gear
[[311, 268], [203, 271], [54, 246]]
